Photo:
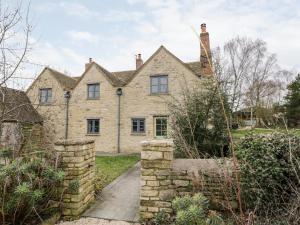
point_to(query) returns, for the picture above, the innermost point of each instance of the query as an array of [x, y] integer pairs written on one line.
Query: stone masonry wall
[[78, 162], [163, 178]]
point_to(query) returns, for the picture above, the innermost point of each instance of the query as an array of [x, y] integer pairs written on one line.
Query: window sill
[[92, 135], [138, 134], [158, 94], [45, 103], [93, 99]]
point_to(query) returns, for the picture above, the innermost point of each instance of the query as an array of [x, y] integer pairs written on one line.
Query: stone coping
[[74, 142], [204, 165], [158, 142]]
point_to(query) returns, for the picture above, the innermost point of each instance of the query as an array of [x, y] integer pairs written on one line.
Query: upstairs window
[[46, 95], [93, 91], [93, 126], [138, 125], [159, 84], [161, 126]]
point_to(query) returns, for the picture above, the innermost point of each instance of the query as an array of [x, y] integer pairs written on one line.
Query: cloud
[[82, 36], [76, 9]]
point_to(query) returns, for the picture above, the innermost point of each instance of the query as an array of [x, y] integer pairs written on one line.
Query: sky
[[66, 33]]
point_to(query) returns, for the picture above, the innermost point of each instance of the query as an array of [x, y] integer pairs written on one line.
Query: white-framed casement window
[[138, 125], [93, 126], [161, 126], [93, 91], [45, 95], [159, 84]]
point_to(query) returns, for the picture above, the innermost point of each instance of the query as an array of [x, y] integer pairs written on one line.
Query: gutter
[[67, 96], [119, 93]]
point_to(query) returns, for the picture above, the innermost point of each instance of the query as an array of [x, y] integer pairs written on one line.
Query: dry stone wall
[[78, 162], [163, 178]]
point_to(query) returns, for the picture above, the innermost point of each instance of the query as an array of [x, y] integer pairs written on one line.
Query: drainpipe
[[119, 93], [67, 96]]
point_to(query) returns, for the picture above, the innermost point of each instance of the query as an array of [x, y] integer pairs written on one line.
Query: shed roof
[[16, 106]]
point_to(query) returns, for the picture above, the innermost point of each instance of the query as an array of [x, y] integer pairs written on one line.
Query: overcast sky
[[67, 33]]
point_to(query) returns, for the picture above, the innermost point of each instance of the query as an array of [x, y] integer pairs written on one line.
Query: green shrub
[[29, 190], [269, 167], [161, 218], [194, 211], [198, 124]]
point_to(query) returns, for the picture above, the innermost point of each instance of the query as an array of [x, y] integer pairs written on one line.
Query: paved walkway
[[95, 221], [120, 199]]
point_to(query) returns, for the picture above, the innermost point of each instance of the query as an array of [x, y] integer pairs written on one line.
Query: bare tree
[[15, 30], [249, 74]]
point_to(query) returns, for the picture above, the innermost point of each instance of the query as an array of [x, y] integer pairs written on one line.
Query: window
[[138, 125], [93, 91], [159, 84], [46, 95], [161, 126], [93, 126]]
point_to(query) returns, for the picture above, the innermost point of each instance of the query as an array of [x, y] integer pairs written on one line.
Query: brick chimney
[[205, 52], [87, 65], [138, 61]]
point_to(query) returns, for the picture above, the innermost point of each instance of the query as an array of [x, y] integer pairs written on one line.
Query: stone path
[[95, 221], [120, 199]]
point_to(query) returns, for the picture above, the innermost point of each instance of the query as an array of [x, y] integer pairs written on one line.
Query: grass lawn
[[110, 167], [239, 133]]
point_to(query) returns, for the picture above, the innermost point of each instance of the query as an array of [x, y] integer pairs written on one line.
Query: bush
[[29, 190], [198, 124], [269, 167], [194, 211]]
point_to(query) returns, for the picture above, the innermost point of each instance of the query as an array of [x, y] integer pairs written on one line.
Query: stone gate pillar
[[156, 187], [78, 162]]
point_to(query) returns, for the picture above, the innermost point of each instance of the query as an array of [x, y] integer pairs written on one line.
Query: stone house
[[117, 109], [21, 125]]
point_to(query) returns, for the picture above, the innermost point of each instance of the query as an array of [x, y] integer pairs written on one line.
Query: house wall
[[53, 114], [138, 102], [104, 108]]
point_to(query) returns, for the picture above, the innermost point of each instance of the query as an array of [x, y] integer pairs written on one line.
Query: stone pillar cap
[[158, 142]]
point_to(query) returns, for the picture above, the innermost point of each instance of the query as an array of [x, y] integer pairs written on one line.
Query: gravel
[[94, 221]]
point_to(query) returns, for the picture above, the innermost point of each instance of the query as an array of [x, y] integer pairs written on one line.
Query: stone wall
[[163, 178], [78, 162], [22, 137]]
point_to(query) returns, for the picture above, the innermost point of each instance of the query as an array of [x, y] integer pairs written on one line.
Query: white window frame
[[155, 128]]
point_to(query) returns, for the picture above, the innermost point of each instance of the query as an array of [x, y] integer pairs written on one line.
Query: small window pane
[[46, 95], [159, 84], [138, 125], [93, 126], [161, 126], [93, 91]]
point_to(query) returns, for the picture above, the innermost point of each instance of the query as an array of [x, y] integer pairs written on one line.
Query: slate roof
[[66, 81], [16, 106], [118, 78]]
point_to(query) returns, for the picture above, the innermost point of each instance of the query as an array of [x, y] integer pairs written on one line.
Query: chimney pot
[[87, 65], [203, 28], [138, 61]]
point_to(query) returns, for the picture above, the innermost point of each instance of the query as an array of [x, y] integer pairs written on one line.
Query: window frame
[[159, 76], [139, 119], [46, 97], [155, 126], [93, 126], [88, 91]]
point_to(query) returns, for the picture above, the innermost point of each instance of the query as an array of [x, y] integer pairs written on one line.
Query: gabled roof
[[16, 106], [66, 81], [119, 78]]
